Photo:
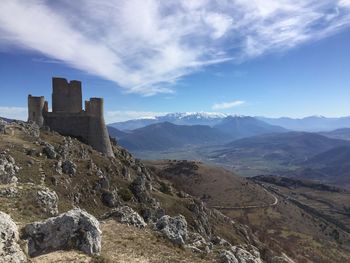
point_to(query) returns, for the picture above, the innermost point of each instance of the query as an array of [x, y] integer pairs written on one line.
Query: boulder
[[126, 215], [174, 228], [198, 244], [68, 167], [75, 229], [10, 251], [246, 254], [227, 256], [110, 198], [48, 201], [49, 151], [138, 188], [8, 169]]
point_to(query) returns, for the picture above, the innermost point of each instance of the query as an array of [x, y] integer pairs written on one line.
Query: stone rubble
[[68, 167], [126, 215], [8, 169], [48, 201]]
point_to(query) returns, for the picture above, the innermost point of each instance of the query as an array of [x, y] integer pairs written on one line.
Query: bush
[[165, 188], [125, 194]]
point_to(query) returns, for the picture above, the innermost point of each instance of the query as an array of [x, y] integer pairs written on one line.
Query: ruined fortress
[[69, 118]]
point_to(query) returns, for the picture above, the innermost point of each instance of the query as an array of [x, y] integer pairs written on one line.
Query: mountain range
[[165, 135], [186, 118], [310, 124]]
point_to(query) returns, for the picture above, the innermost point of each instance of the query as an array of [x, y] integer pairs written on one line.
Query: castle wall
[[68, 118], [66, 97], [89, 129], [69, 124], [36, 107]]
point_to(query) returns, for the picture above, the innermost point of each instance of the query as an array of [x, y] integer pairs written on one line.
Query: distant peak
[[197, 115]]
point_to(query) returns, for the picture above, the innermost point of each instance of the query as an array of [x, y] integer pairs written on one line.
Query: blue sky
[[148, 57]]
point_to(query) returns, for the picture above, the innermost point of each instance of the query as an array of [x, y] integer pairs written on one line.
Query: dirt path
[[275, 202]]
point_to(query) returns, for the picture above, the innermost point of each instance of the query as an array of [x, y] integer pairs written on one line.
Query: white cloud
[[227, 105], [17, 113], [117, 116], [145, 46]]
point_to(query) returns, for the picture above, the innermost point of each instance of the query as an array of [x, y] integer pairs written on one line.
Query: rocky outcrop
[[49, 151], [48, 201], [8, 192], [240, 254], [126, 215], [75, 229], [8, 169], [174, 228], [198, 244], [201, 218], [110, 198], [10, 251], [139, 189], [227, 257], [68, 167]]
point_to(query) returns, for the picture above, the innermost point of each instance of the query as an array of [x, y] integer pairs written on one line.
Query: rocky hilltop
[[62, 201]]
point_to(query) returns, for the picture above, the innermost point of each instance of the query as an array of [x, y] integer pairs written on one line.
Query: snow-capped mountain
[[180, 118]]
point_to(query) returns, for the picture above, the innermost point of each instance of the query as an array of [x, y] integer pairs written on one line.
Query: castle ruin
[[68, 117]]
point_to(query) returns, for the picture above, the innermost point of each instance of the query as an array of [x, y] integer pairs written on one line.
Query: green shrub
[[125, 194]]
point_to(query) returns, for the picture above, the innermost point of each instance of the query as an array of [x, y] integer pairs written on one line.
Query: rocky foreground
[[61, 201]]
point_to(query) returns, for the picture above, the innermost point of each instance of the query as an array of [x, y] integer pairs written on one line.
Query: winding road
[[275, 202]]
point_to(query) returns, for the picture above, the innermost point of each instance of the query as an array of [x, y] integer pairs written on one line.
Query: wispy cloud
[[227, 105], [145, 46], [117, 116], [17, 113]]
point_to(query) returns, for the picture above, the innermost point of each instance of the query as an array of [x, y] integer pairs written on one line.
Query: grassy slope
[[284, 227], [24, 209]]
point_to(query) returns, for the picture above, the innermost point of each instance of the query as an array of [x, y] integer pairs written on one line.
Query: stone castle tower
[[69, 118]]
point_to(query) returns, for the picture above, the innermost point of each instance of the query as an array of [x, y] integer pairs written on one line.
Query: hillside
[[115, 133], [241, 126], [342, 134], [285, 147], [164, 136], [331, 167], [44, 174], [308, 220], [310, 124]]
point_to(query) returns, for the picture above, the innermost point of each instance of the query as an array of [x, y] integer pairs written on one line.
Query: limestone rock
[[198, 244], [68, 167], [174, 228], [8, 169], [201, 218], [139, 189], [8, 192], [246, 254], [30, 128], [49, 151], [48, 201], [111, 198], [126, 215], [10, 251], [75, 229], [227, 256]]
